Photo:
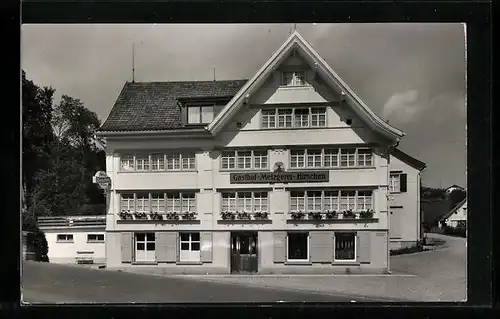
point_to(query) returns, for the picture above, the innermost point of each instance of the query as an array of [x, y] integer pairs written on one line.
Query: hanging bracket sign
[[102, 180]]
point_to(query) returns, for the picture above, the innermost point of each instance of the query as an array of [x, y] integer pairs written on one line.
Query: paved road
[[50, 283]]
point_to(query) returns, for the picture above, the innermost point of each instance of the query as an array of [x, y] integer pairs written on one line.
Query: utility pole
[[133, 62]]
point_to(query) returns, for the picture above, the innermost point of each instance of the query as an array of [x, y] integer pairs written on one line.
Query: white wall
[[66, 252]]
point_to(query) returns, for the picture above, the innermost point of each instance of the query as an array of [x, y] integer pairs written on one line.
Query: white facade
[[72, 240], [330, 132], [457, 216]]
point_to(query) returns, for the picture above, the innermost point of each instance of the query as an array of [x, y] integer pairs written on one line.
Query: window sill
[[189, 263], [331, 168], [243, 170], [144, 263], [96, 242], [245, 221], [65, 242], [162, 171], [298, 263], [155, 221], [293, 128], [295, 87], [345, 263], [343, 220]]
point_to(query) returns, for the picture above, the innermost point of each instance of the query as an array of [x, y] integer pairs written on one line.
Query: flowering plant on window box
[[228, 215], [314, 215], [260, 215], [243, 215], [156, 216], [331, 214], [349, 214], [188, 215], [125, 214], [366, 213], [140, 215], [297, 215], [172, 216]]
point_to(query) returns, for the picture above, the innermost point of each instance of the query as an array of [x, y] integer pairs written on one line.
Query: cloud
[[402, 107]]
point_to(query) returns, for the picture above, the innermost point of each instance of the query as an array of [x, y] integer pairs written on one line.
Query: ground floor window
[[95, 238], [190, 247], [345, 246], [145, 247], [298, 246], [64, 238]]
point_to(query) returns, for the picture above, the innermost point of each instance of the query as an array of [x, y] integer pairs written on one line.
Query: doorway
[[244, 252]]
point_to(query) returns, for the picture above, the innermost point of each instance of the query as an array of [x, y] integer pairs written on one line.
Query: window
[[157, 162], [142, 203], [181, 202], [173, 161], [244, 201], [158, 202], [127, 162], [394, 182], [190, 247], [188, 161], [200, 114], [331, 158], [347, 157], [314, 158], [365, 157], [295, 78], [297, 201], [127, 202], [142, 162], [331, 201], [301, 117], [145, 247], [347, 200], [64, 238], [285, 117], [244, 160], [318, 117], [269, 118], [364, 200], [297, 158], [314, 201], [95, 238], [345, 246], [298, 246]]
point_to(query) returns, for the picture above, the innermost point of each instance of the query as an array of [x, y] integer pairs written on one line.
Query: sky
[[412, 75]]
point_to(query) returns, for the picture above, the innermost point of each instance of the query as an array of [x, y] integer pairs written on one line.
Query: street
[[51, 283]]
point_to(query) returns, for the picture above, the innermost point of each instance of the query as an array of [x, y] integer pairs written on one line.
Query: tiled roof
[[152, 106], [408, 159], [454, 209]]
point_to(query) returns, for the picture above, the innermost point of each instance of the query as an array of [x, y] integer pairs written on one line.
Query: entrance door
[[395, 222], [244, 257]]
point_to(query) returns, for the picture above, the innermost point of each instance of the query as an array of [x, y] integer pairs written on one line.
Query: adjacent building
[[285, 172], [456, 217], [406, 216], [75, 239]]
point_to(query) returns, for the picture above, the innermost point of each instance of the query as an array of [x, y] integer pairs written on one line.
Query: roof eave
[[167, 133]]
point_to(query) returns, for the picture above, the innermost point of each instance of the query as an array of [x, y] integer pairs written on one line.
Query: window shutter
[[279, 247], [177, 247], [358, 250], [206, 246], [165, 246], [364, 239], [403, 183], [321, 246], [127, 247]]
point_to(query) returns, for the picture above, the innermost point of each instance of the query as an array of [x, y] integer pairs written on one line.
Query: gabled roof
[[413, 162], [454, 209], [152, 106], [296, 42], [454, 186]]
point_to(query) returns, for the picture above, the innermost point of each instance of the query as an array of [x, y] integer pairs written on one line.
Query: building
[[75, 239], [453, 188], [287, 172], [406, 218], [456, 217]]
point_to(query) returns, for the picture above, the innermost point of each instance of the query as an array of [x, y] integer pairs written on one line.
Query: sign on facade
[[102, 180], [279, 177]]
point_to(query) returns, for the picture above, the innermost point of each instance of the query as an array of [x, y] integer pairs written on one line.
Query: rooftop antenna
[[133, 62], [214, 73]]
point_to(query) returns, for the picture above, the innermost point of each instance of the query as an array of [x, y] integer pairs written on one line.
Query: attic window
[[293, 78], [200, 114], [348, 121]]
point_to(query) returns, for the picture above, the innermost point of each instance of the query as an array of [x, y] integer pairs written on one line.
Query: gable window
[[293, 78], [293, 117], [285, 117], [348, 157], [314, 158], [127, 202], [318, 117], [200, 114], [298, 246], [331, 158], [397, 182], [190, 247], [244, 202], [268, 118], [64, 238], [365, 157], [301, 117], [244, 160], [95, 238], [345, 246]]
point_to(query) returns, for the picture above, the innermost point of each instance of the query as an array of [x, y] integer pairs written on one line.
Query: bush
[[454, 231], [36, 240]]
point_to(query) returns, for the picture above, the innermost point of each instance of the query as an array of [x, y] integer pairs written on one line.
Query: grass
[[407, 250]]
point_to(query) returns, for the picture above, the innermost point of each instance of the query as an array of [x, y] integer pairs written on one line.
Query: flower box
[[156, 216], [243, 215], [349, 214], [172, 216], [331, 214], [366, 214], [260, 215], [140, 215], [188, 215], [228, 215], [314, 215], [297, 215], [125, 215]]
